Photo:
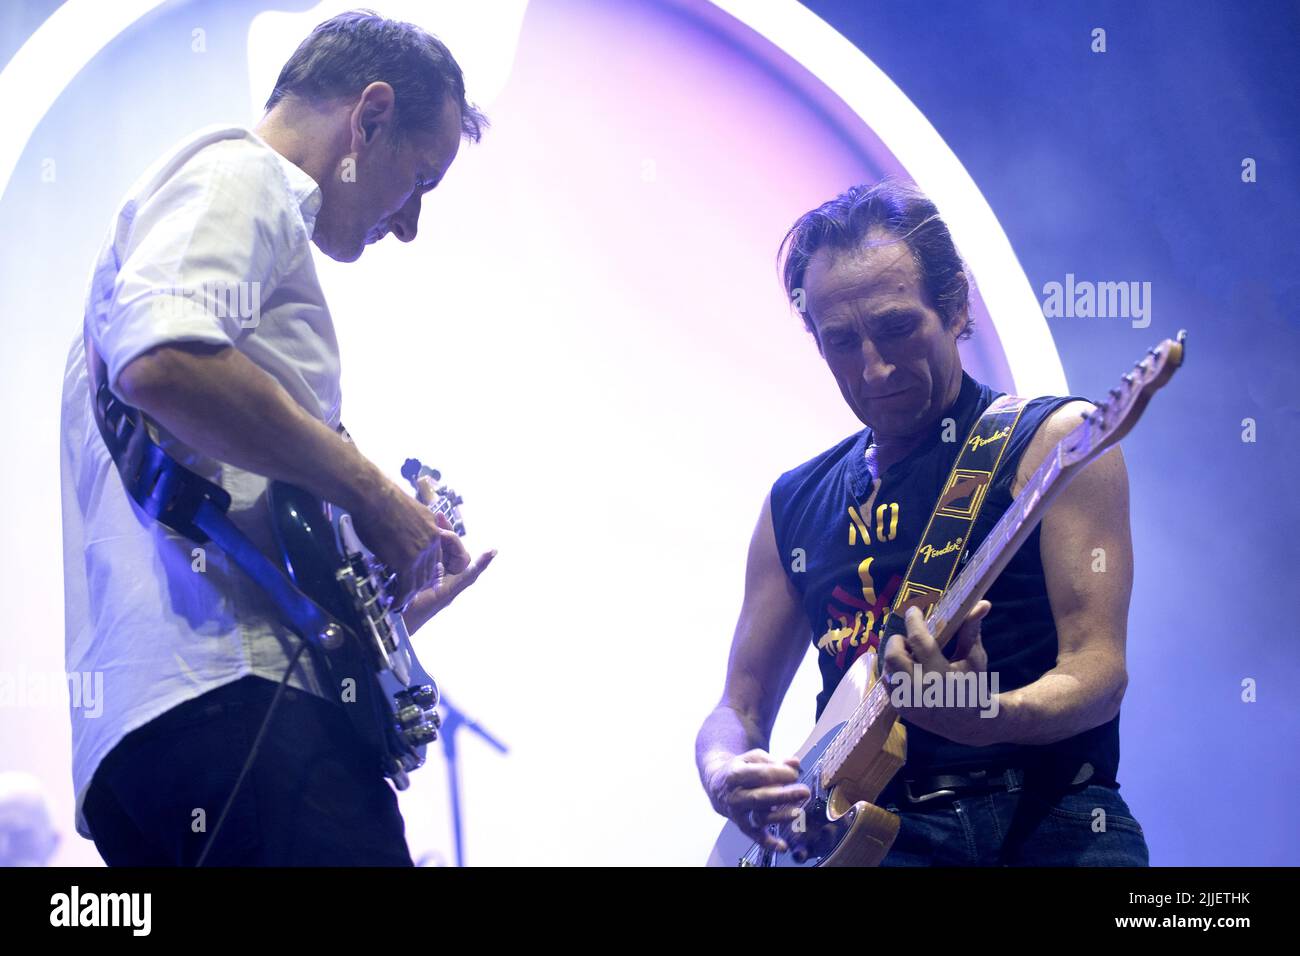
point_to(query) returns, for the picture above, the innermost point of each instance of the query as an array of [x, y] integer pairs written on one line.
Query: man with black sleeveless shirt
[[1032, 779]]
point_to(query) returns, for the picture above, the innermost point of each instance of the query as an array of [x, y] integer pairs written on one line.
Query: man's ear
[[372, 115]]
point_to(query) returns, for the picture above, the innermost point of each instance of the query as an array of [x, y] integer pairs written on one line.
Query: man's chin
[[896, 422], [345, 254]]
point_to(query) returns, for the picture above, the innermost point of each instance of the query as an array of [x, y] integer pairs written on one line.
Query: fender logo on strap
[[929, 551], [979, 441]]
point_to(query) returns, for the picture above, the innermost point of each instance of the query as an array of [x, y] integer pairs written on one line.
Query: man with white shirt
[[205, 310]]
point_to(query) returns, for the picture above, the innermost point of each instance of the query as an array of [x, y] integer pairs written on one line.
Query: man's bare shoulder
[[1051, 431]]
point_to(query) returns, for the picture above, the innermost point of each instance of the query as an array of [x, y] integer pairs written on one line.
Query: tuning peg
[[413, 470], [424, 696], [421, 734]]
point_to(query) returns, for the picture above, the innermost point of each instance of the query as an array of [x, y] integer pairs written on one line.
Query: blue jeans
[[1084, 826]]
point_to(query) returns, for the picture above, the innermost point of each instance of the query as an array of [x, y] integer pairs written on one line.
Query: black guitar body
[[370, 669]]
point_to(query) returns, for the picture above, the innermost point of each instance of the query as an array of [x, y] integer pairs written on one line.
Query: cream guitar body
[[840, 825]]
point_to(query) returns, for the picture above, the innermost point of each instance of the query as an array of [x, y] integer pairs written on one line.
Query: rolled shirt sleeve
[[200, 254]]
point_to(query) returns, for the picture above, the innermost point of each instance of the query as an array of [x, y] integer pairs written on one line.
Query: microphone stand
[[453, 719]]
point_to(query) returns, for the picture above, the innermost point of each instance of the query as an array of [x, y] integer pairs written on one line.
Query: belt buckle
[[907, 791]]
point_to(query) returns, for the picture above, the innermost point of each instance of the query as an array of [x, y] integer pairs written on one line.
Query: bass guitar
[[365, 653]]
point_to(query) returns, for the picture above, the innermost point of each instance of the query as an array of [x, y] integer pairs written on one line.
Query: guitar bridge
[[372, 603]]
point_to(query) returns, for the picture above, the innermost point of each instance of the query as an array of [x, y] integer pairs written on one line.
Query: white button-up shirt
[[211, 244]]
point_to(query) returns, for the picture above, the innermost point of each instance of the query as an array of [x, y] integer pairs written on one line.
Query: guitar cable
[[252, 753]]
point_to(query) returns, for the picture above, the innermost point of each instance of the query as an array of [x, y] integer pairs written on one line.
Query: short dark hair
[[346, 53], [903, 211]]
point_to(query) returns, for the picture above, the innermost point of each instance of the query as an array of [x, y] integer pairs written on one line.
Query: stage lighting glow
[[67, 41], [44, 66], [883, 107]]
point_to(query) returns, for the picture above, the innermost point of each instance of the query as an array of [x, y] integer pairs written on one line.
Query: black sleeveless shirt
[[848, 565]]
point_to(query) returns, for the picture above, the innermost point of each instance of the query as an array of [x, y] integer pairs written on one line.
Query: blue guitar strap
[[192, 506]]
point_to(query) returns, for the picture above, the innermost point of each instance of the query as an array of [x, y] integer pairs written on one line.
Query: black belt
[[912, 789]]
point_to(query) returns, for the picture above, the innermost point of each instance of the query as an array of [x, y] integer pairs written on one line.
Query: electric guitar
[[365, 654], [858, 743]]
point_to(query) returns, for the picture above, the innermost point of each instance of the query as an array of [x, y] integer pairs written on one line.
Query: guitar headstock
[[1113, 418], [446, 502]]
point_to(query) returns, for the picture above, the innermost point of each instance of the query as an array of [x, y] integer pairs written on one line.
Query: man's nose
[[874, 367], [406, 220]]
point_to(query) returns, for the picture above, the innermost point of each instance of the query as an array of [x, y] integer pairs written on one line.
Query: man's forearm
[[1061, 703], [218, 402]]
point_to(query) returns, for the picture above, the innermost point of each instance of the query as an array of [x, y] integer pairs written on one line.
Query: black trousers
[[313, 796]]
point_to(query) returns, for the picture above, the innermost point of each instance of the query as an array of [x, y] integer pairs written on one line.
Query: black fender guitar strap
[[947, 535]]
